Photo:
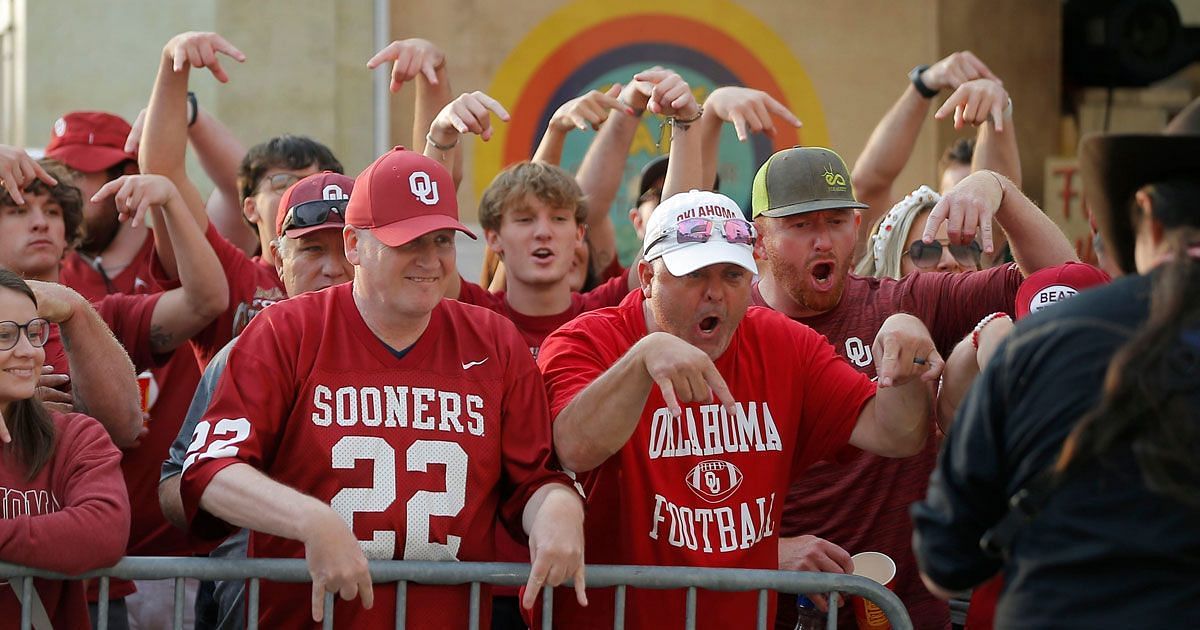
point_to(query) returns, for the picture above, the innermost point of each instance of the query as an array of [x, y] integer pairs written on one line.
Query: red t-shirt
[[72, 517], [861, 503], [79, 274], [420, 454], [253, 286], [534, 328], [705, 490]]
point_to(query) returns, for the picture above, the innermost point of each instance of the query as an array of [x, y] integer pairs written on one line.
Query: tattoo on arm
[[160, 340]]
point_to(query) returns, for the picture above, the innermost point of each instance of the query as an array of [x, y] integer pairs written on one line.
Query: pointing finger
[[936, 216], [717, 383], [779, 110], [387, 53], [668, 394], [581, 585]]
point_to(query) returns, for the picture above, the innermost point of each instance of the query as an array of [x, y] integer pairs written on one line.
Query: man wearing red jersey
[[702, 482], [384, 371]]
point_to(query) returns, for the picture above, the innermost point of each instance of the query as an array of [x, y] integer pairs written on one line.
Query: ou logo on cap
[[333, 192], [423, 188]]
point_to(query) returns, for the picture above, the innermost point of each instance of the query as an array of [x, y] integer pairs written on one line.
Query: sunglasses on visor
[[312, 213], [737, 231]]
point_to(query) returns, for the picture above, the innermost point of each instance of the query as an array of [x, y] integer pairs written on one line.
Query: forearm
[[550, 149], [163, 148], [1035, 240], [103, 381], [600, 420], [171, 502], [901, 418], [243, 496], [73, 540], [219, 151], [554, 496], [226, 214], [710, 143], [997, 150], [961, 369], [684, 170], [599, 177], [201, 276], [430, 99], [887, 151]]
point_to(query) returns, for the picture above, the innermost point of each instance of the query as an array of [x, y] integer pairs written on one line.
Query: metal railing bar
[[762, 609], [102, 605], [178, 608], [328, 611], [27, 603], [252, 615], [401, 604], [474, 619], [689, 621], [619, 609]]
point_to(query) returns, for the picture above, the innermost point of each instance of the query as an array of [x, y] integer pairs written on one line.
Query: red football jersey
[[707, 489], [419, 454]]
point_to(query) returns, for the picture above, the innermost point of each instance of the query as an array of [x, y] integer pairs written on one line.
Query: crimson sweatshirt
[[71, 518]]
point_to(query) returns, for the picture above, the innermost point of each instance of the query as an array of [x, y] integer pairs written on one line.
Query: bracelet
[[193, 108], [914, 76], [637, 113], [677, 123], [982, 324], [440, 147]]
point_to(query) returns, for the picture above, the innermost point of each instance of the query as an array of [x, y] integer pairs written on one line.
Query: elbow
[[209, 305], [866, 185], [912, 443], [572, 453]]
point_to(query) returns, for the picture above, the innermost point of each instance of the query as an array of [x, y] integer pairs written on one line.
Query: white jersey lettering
[[398, 407], [729, 528], [716, 433]]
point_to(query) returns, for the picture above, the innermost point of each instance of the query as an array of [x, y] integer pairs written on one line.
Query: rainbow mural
[[590, 44]]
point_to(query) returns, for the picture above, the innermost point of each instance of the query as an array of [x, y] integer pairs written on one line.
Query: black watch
[[915, 76], [193, 108]]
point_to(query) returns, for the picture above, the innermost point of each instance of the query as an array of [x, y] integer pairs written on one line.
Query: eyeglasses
[[737, 231], [279, 182], [37, 330], [926, 255], [312, 213]]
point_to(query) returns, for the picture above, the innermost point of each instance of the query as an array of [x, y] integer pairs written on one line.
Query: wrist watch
[[193, 108], [915, 76]]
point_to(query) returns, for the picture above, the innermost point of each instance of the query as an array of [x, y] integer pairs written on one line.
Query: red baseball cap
[[404, 195], [324, 193], [1054, 284], [90, 142]]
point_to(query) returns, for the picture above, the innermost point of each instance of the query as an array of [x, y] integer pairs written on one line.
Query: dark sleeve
[[200, 400], [951, 304], [130, 318], [968, 490]]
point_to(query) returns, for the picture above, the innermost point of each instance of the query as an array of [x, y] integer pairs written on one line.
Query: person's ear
[[250, 209], [646, 275], [493, 242], [857, 220], [350, 242], [274, 247]]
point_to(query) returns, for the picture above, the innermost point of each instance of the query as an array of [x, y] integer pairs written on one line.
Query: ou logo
[[832, 178], [423, 188], [333, 192], [857, 352]]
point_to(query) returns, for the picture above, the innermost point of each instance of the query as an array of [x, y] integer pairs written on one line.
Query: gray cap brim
[[812, 206]]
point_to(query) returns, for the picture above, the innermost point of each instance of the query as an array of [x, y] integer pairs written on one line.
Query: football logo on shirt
[[714, 480], [423, 188]]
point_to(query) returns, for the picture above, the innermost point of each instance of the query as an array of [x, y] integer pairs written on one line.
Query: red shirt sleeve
[[608, 294], [834, 395], [91, 528], [951, 304], [130, 318], [250, 405], [614, 270]]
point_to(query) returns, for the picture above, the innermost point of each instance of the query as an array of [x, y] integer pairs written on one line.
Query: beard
[[98, 230], [798, 281]]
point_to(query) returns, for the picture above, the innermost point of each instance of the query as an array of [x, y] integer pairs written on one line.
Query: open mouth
[[822, 273], [543, 253], [709, 324]]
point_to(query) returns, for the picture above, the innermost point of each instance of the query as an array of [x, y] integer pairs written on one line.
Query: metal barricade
[[474, 573]]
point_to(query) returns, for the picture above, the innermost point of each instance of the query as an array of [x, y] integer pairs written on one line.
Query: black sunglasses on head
[[316, 212]]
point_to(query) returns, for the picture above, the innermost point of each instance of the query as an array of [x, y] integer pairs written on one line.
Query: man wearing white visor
[[686, 413]]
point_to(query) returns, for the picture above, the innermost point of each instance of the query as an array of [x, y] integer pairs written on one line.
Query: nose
[[823, 238], [541, 228], [38, 219], [948, 262], [24, 347], [333, 268]]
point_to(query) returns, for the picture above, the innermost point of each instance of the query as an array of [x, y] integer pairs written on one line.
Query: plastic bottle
[[807, 615]]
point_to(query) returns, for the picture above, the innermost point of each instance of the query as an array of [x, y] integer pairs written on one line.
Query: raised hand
[[669, 94], [974, 102], [956, 69], [470, 113], [18, 170], [199, 50], [589, 110], [968, 208], [135, 194], [410, 58], [750, 110]]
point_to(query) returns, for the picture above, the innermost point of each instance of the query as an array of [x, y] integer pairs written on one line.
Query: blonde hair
[[888, 241]]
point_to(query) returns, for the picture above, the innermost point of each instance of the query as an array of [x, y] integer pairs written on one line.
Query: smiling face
[[20, 366], [810, 254], [537, 242], [410, 279], [703, 308]]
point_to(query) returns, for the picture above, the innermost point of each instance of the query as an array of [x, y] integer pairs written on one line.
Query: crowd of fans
[[293, 367]]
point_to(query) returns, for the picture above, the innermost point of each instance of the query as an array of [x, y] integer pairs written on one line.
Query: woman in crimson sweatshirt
[[63, 505]]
